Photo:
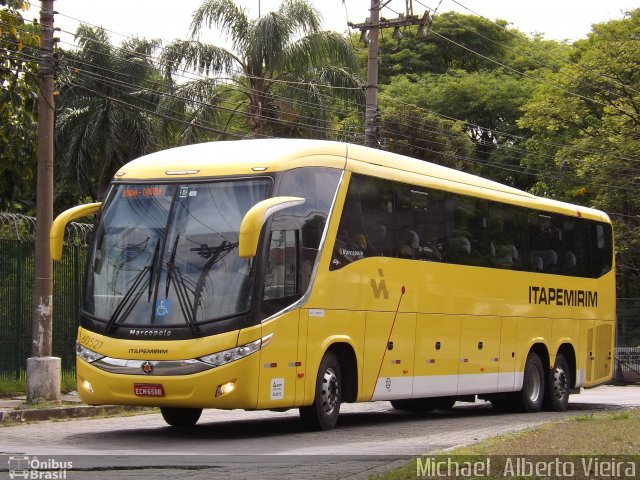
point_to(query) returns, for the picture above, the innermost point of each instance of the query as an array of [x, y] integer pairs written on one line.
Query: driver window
[[282, 265]]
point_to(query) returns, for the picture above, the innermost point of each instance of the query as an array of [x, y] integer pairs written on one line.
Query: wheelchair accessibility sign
[[163, 308]]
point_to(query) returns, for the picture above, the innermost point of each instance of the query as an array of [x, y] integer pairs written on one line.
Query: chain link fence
[[17, 249], [627, 364]]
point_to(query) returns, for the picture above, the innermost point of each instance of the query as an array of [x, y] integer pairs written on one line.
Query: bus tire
[[181, 417], [556, 396], [530, 398], [323, 413]]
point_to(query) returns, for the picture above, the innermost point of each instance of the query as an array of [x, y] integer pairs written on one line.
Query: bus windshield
[[167, 255]]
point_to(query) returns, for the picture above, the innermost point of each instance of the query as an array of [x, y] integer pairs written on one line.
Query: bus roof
[[257, 156]]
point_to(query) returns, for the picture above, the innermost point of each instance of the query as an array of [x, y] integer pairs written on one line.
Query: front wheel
[[530, 398], [323, 413], [556, 397], [181, 417]]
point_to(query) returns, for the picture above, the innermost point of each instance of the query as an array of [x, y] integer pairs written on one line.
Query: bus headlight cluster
[[235, 353], [87, 355]]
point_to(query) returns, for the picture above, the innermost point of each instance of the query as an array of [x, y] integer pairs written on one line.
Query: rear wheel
[[530, 398], [556, 396], [181, 417], [323, 413]]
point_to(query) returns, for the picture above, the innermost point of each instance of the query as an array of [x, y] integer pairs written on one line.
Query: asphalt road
[[369, 438]]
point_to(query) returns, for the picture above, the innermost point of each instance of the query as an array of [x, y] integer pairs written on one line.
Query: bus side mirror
[[56, 236], [256, 217]]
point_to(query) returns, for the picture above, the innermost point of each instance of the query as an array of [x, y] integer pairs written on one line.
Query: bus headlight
[[235, 353], [87, 355]]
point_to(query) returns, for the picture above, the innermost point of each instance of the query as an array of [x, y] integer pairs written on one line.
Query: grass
[[606, 435], [18, 387]]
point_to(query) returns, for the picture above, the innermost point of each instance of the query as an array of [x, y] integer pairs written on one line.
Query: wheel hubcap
[[559, 383], [330, 395], [533, 384]]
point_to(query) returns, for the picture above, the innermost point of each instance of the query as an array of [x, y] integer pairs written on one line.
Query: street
[[370, 437]]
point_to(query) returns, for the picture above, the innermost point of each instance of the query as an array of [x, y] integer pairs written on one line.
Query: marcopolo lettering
[[562, 297], [149, 333]]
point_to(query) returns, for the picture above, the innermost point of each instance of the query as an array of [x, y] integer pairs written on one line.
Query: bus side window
[[601, 249], [506, 250], [376, 198], [574, 259], [420, 221], [545, 236], [468, 238], [367, 226]]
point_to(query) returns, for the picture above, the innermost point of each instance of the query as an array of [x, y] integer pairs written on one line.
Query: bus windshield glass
[[167, 255]]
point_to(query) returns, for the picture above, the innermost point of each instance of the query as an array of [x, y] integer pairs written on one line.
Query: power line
[[547, 52], [506, 134], [494, 131]]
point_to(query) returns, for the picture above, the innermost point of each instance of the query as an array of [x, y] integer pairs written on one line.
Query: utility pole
[[371, 112], [369, 35], [43, 370]]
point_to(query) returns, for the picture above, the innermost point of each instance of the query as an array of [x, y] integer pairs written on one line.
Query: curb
[[8, 417]]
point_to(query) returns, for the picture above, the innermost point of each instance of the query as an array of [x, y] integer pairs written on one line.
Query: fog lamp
[[86, 385], [225, 388]]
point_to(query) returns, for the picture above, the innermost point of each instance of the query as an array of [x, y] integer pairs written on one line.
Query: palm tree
[[279, 68], [104, 117]]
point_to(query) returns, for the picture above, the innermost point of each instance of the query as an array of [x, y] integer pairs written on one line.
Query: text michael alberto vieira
[[593, 467]]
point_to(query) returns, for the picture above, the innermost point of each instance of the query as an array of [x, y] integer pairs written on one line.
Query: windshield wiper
[[152, 269], [117, 316], [170, 265], [181, 289], [214, 255]]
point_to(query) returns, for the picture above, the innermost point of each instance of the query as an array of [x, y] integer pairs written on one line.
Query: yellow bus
[[278, 274]]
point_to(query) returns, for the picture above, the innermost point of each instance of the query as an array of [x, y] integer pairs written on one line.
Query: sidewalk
[[17, 410]]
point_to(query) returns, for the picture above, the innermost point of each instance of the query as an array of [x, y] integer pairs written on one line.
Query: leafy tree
[[18, 106], [438, 53], [105, 110], [531, 54], [487, 102], [588, 116], [445, 142], [280, 63], [475, 70]]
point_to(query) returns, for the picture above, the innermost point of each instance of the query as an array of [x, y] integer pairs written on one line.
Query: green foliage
[[446, 144], [487, 102], [437, 54], [18, 107], [477, 71], [280, 63], [588, 115], [105, 111]]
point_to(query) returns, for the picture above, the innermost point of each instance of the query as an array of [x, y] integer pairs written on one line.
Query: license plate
[[148, 389]]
